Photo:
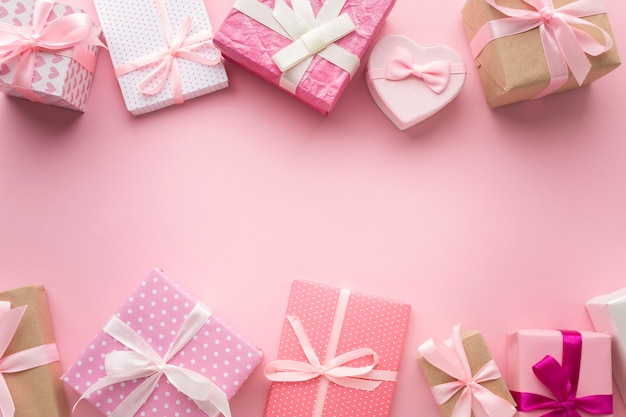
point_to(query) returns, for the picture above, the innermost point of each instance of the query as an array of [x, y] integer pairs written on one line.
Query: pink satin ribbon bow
[[20, 361], [141, 361], [66, 35], [179, 45], [565, 45], [450, 357]]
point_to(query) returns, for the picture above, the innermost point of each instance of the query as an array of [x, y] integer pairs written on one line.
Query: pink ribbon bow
[[20, 361], [66, 35], [179, 45], [436, 74], [451, 358], [564, 44]]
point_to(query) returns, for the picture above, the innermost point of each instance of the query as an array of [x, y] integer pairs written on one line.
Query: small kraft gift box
[[163, 353], [525, 49], [48, 52], [29, 367], [310, 49], [339, 354]]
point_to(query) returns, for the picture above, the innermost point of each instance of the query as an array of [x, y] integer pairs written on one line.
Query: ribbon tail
[[30, 358], [463, 407], [488, 404], [7, 407], [133, 402], [216, 403]]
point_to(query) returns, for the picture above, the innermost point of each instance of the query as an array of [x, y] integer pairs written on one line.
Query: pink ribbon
[[141, 361], [179, 45], [333, 369], [67, 35], [20, 361], [451, 358], [565, 45]]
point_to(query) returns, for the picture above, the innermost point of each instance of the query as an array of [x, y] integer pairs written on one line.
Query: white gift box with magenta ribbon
[[163, 353], [339, 354], [162, 51]]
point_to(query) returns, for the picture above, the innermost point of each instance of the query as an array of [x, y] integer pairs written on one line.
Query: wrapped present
[[464, 378], [526, 49], [163, 353], [338, 356], [560, 373], [48, 52], [29, 366], [310, 50], [162, 51], [608, 314]]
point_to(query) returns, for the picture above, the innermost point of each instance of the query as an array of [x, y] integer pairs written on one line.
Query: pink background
[[500, 219]]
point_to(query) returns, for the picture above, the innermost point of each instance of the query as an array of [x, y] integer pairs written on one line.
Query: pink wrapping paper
[[527, 347], [155, 310], [251, 45], [370, 322]]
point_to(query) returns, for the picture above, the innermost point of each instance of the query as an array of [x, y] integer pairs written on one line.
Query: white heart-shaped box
[[422, 88]]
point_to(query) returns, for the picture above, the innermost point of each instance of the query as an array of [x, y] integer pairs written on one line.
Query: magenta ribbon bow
[[66, 35], [20, 361], [451, 358], [562, 381], [565, 45], [179, 45]]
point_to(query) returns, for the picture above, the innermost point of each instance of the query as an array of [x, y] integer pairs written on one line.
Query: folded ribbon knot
[[20, 361], [141, 361]]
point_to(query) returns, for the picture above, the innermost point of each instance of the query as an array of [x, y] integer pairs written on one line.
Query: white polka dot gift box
[[161, 50], [48, 52], [163, 354], [339, 354]]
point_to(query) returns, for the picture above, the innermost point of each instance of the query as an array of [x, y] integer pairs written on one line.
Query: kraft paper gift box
[[515, 67], [28, 339], [560, 372], [463, 376], [310, 51], [161, 50], [39, 61], [608, 314], [339, 354], [163, 353]]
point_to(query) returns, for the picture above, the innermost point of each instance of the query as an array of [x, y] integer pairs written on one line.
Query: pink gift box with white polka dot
[[367, 329], [155, 310]]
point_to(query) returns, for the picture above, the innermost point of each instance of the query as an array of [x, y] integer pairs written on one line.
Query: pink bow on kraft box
[[339, 354], [527, 49], [50, 58]]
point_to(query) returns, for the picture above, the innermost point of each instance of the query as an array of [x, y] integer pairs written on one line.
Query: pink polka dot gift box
[[339, 354], [161, 50], [163, 353]]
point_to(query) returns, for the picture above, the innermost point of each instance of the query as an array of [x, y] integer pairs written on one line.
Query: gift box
[[339, 354], [464, 377], [163, 353], [310, 51], [28, 357], [608, 314], [48, 52], [560, 372], [162, 51], [527, 49]]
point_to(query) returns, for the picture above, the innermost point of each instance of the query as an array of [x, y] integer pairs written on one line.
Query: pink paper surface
[[155, 310]]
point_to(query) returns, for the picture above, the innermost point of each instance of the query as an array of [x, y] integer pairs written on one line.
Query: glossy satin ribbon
[[565, 45], [67, 36], [311, 35], [400, 65], [141, 361], [179, 45], [451, 358], [562, 381], [333, 368], [20, 361]]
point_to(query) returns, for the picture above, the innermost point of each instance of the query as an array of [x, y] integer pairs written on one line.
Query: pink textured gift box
[[315, 81], [59, 76], [140, 34], [554, 371], [157, 313], [330, 333]]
